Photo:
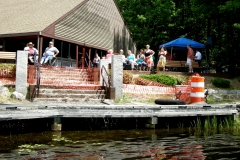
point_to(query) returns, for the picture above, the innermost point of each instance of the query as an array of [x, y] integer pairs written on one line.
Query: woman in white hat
[[31, 52]]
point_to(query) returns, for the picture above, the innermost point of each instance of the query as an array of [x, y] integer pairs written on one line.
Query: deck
[[35, 111]]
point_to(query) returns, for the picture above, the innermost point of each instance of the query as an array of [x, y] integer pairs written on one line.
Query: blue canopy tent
[[181, 43]]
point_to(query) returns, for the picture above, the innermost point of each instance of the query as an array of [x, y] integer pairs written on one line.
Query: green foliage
[[125, 98], [8, 70], [159, 21], [181, 79], [211, 126], [127, 77], [7, 66], [161, 78], [11, 89], [221, 83], [238, 79]]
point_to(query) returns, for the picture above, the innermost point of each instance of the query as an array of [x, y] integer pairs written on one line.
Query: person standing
[[32, 53], [123, 58], [49, 53], [190, 56], [198, 57], [149, 57], [96, 60], [109, 56], [162, 58]]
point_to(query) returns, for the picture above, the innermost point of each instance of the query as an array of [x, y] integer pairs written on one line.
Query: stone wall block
[[21, 72], [117, 75]]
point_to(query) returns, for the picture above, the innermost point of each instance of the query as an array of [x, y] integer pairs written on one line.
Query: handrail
[[36, 88], [106, 78], [38, 78]]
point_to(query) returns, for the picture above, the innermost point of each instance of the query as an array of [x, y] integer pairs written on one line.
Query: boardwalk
[[35, 111]]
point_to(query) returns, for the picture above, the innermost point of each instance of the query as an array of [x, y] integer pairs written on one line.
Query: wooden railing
[[106, 80]]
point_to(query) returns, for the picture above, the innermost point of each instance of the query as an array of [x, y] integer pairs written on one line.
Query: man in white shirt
[[49, 53], [198, 57]]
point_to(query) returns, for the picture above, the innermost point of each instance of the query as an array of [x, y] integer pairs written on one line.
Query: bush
[[221, 83], [161, 78], [181, 79], [238, 79], [7, 70], [127, 77]]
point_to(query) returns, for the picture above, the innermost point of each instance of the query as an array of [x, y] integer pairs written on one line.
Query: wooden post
[[40, 46], [89, 57], [76, 56], [83, 57], [56, 126], [151, 122], [4, 45], [69, 55], [61, 52]]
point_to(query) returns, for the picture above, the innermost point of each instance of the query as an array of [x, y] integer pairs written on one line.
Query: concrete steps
[[56, 95], [67, 100], [69, 91], [69, 85]]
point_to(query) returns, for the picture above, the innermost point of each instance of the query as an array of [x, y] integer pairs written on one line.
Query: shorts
[[189, 61]]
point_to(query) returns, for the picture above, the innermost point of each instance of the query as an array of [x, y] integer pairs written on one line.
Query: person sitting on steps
[[131, 59], [141, 60], [32, 53], [49, 53]]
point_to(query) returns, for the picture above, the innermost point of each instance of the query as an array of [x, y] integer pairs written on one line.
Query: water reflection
[[118, 144]]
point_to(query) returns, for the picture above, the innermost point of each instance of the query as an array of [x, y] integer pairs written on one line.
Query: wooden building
[[78, 28]]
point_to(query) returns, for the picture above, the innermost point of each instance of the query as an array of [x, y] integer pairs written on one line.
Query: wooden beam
[[89, 57], [76, 56], [4, 45], [40, 49], [83, 56]]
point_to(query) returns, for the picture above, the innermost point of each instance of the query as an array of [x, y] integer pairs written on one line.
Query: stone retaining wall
[[225, 94]]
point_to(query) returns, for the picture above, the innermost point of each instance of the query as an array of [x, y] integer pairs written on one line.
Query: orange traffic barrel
[[197, 89]]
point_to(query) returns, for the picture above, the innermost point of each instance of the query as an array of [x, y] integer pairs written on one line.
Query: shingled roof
[[22, 16], [91, 22]]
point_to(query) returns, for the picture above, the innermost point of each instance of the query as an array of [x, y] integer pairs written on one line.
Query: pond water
[[119, 144]]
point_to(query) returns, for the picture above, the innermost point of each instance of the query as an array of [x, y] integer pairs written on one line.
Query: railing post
[[117, 75], [103, 62], [21, 72]]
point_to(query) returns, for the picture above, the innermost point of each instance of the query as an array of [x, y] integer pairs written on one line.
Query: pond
[[120, 145]]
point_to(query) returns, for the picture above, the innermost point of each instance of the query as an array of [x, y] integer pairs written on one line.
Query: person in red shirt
[[32, 53], [190, 57]]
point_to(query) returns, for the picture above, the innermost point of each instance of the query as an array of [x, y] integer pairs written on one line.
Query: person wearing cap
[[31, 52], [49, 53]]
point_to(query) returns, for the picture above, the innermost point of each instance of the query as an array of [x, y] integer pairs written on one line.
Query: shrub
[[127, 77], [221, 83], [238, 79], [181, 79], [161, 78], [7, 70]]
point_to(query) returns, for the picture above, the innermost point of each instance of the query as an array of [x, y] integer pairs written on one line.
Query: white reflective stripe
[[197, 94], [197, 84]]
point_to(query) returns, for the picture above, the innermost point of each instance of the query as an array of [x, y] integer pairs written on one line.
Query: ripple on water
[[125, 145]]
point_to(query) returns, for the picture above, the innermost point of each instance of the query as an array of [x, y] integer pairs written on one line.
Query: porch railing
[[106, 80], [36, 88]]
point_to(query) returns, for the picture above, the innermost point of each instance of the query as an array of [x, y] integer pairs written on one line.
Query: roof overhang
[[72, 41], [20, 34]]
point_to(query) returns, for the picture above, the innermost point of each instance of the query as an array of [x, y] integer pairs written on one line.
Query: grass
[[7, 98], [211, 126], [141, 98], [211, 100]]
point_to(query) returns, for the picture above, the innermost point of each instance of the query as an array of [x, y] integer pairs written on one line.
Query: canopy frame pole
[[171, 52]]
